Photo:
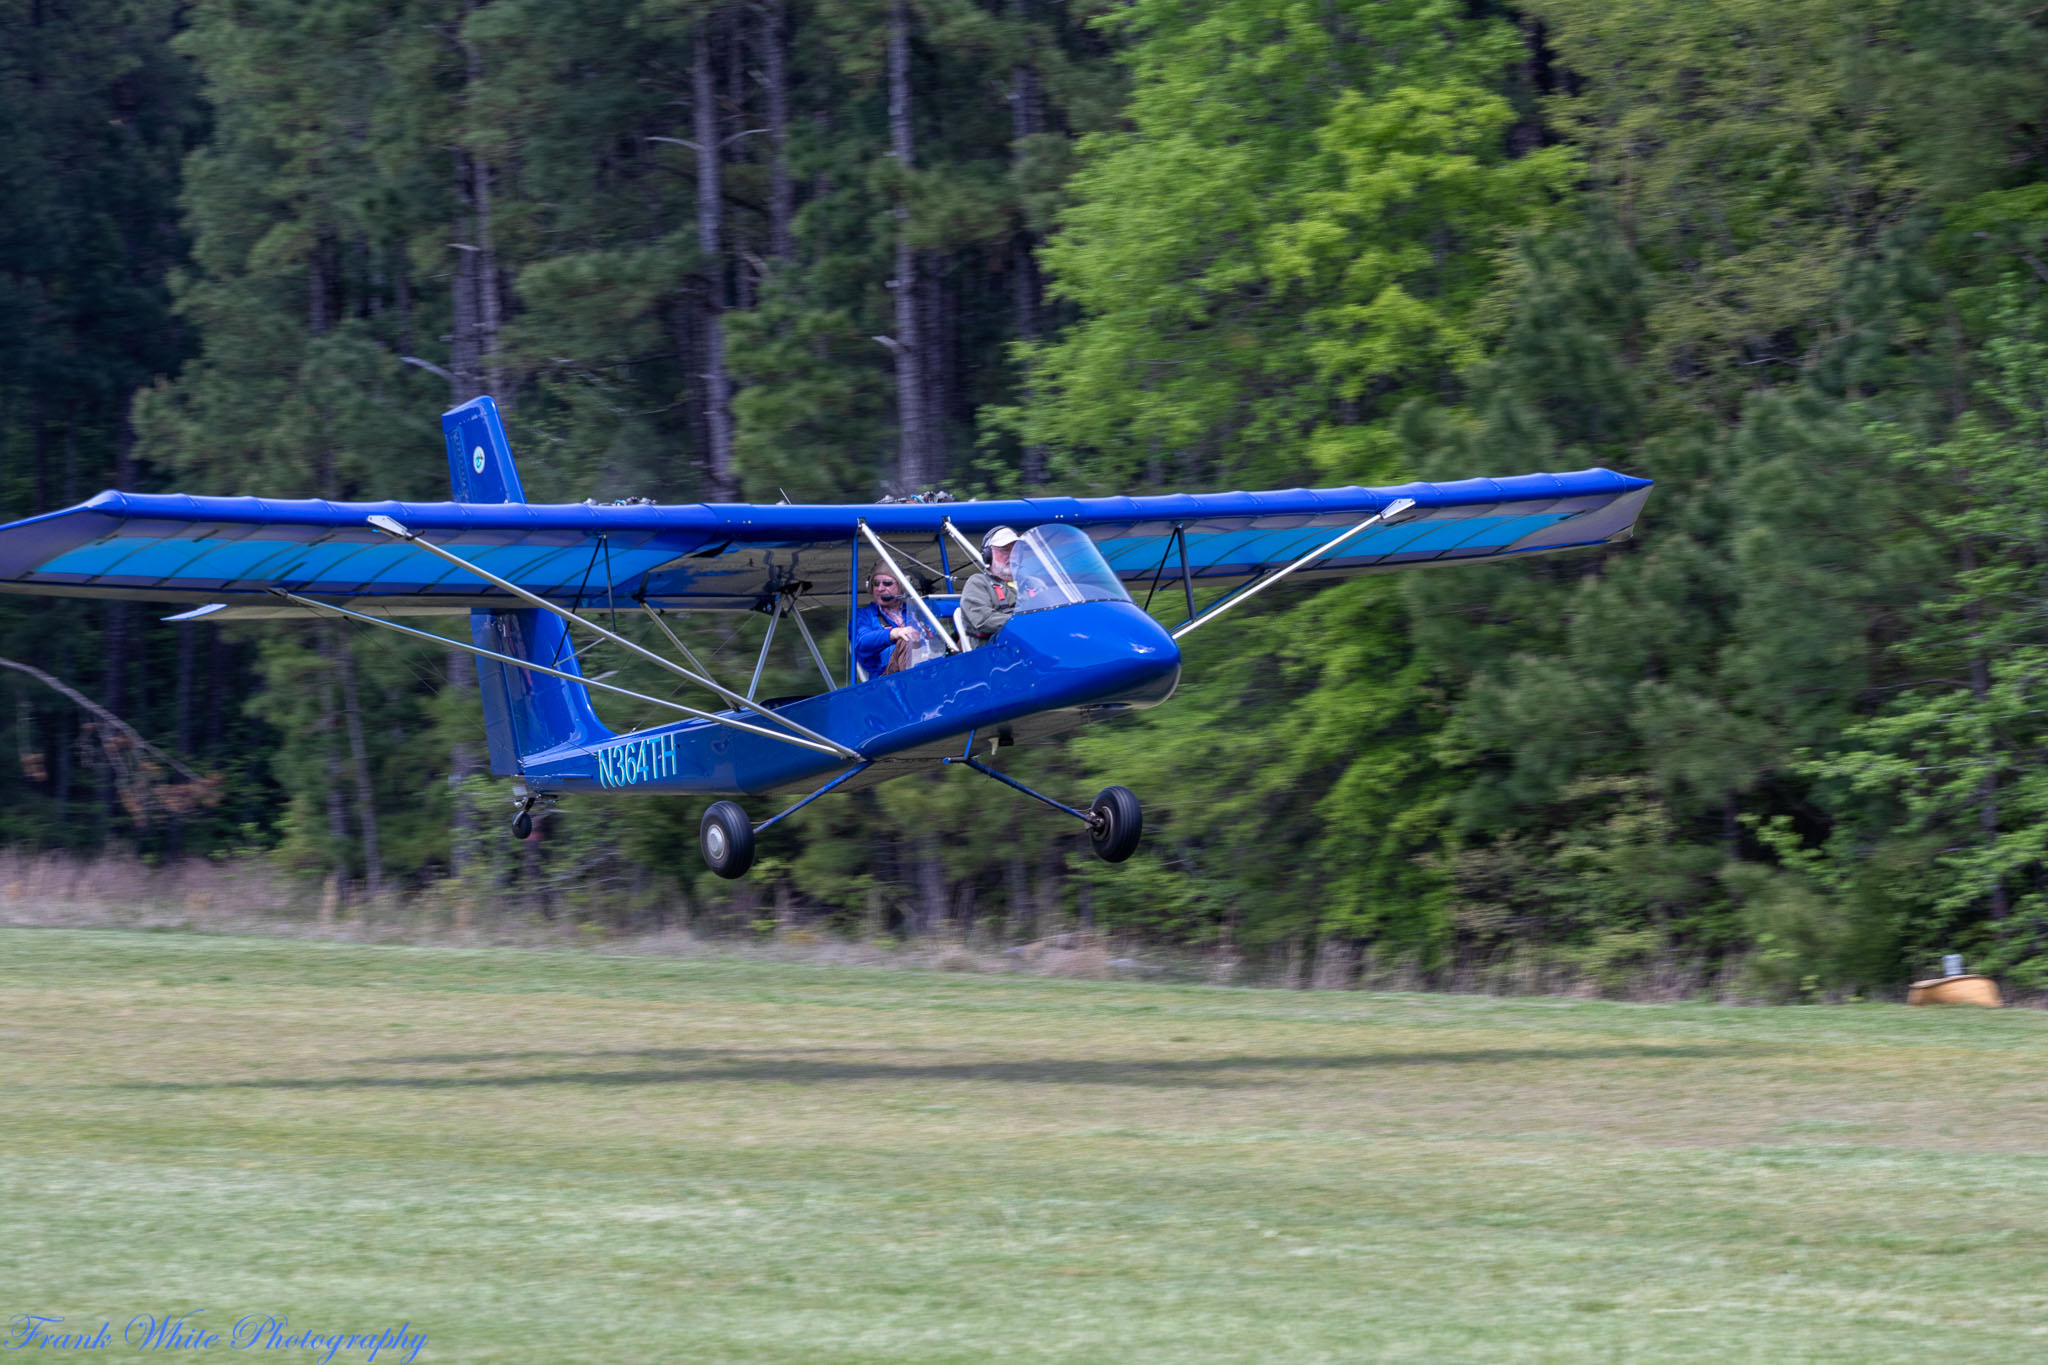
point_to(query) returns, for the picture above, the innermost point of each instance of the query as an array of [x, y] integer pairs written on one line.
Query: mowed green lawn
[[556, 1157]]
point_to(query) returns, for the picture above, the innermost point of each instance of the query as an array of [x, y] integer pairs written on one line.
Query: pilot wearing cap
[[989, 599]]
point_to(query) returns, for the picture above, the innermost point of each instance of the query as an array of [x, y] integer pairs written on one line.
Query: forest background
[[1790, 260]]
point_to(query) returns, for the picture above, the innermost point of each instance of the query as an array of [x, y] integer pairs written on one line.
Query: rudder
[[479, 457], [525, 713]]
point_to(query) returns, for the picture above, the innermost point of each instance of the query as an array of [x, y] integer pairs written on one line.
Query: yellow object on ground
[[1955, 990]]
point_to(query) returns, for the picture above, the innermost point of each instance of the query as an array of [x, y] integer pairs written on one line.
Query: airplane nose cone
[[1104, 652]]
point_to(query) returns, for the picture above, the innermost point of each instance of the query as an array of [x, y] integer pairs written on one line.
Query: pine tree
[[301, 208], [99, 113], [1957, 753]]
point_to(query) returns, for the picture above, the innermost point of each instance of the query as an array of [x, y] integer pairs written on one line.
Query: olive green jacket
[[986, 604]]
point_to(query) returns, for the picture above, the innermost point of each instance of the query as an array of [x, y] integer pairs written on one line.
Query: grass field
[[556, 1157]]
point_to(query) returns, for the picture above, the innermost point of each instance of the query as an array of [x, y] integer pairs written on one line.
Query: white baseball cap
[[998, 538]]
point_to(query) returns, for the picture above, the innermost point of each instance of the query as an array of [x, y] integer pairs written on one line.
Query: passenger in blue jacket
[[888, 634]]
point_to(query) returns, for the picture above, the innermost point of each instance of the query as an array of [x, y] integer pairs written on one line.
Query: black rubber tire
[[1118, 824], [726, 839], [522, 825]]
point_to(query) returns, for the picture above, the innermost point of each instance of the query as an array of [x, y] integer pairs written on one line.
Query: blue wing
[[185, 549]]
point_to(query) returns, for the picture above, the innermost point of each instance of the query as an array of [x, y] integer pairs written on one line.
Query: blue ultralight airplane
[[529, 575]]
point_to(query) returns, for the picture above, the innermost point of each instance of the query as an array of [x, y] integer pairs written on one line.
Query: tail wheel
[[522, 825], [1115, 824], [726, 837]]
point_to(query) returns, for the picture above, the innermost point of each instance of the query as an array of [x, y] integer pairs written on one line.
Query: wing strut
[[967, 545], [767, 643], [796, 614], [1187, 580], [531, 667], [951, 645], [681, 648], [396, 529], [1385, 514]]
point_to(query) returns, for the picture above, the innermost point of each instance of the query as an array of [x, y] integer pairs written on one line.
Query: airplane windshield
[[1058, 566]]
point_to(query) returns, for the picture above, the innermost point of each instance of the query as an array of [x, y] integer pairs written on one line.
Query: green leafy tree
[[1747, 151], [1294, 233], [1300, 228], [1957, 755]]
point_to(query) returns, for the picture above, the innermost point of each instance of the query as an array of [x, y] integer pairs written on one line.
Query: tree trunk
[[465, 377], [688, 325], [781, 192], [939, 300], [120, 615], [1046, 915], [188, 672], [1019, 920], [914, 469], [401, 302], [710, 242], [738, 272], [326, 635], [67, 743], [39, 434], [330, 750], [67, 740], [114, 688], [1987, 794], [489, 303], [465, 381], [188, 655], [1987, 788], [359, 762], [462, 762], [217, 663], [931, 887], [1027, 286], [477, 303], [319, 318], [473, 369]]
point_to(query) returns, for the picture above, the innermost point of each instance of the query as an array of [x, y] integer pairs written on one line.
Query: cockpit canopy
[[1057, 566]]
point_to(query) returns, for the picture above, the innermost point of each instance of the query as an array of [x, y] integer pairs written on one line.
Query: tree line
[[1789, 260]]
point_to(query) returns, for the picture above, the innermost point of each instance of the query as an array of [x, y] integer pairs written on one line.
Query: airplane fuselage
[[1047, 671]]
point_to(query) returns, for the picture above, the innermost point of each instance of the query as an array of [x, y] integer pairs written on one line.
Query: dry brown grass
[[112, 889], [251, 895]]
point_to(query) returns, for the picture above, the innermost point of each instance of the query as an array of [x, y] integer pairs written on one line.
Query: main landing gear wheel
[[1115, 823], [522, 825], [727, 839]]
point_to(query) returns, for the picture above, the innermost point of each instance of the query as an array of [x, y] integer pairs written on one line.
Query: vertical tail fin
[[524, 713], [479, 457]]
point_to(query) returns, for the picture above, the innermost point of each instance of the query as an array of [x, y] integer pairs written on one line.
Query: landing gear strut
[[1115, 821], [726, 836]]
